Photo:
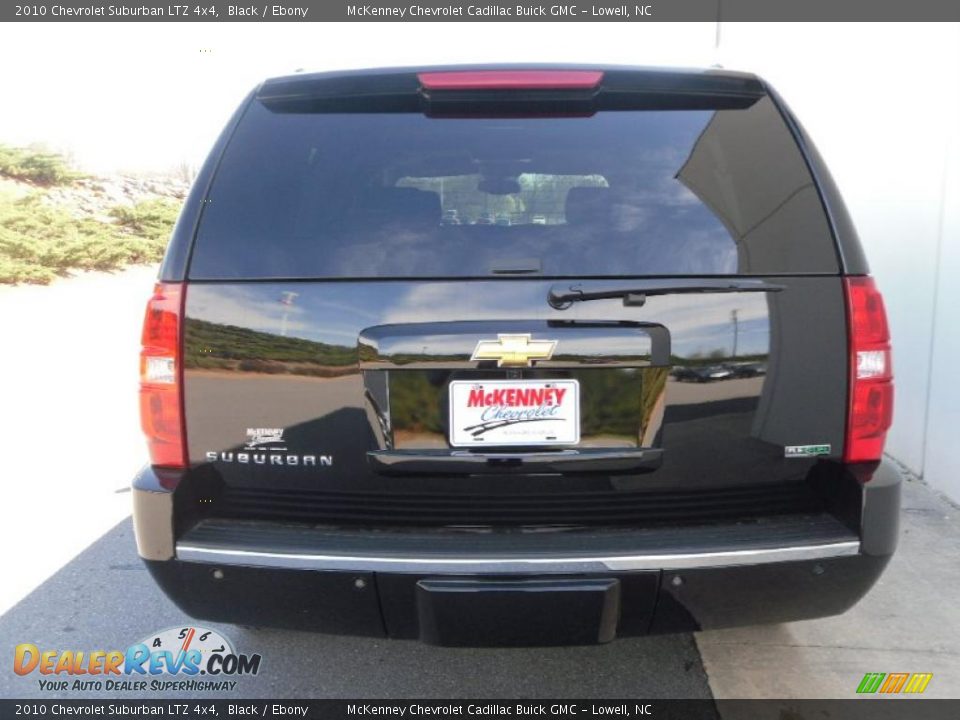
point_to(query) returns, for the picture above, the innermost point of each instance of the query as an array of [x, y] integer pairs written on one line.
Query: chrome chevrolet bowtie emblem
[[514, 350]]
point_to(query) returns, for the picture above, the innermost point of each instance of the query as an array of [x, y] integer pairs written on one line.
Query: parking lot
[[73, 581]]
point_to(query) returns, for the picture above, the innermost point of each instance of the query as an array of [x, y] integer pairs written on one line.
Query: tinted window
[[301, 195]]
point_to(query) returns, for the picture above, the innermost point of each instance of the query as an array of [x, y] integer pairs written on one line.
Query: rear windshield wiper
[[635, 293]]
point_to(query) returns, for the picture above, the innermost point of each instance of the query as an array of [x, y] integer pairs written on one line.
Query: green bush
[[13, 270], [39, 242], [151, 219], [36, 166]]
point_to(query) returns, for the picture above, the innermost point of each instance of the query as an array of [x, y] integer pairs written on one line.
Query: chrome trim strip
[[448, 565]]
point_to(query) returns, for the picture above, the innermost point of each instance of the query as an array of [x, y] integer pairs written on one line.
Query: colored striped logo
[[893, 683]]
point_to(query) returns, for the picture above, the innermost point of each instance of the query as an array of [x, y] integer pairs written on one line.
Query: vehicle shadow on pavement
[[104, 599]]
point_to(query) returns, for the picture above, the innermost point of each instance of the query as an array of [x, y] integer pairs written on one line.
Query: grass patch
[[37, 166], [39, 243]]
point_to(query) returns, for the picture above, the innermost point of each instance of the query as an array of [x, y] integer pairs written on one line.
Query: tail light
[[871, 374], [161, 412]]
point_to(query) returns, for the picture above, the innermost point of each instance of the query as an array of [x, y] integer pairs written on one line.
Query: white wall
[[942, 467], [881, 102]]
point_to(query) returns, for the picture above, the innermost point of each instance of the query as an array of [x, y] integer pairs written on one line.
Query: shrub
[[262, 366], [150, 219], [13, 270], [39, 242], [36, 166]]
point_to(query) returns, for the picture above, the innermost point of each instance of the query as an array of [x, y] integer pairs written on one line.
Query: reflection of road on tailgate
[[707, 433], [681, 393], [252, 400]]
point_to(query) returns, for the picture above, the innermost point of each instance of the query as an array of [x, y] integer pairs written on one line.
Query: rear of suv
[[364, 417]]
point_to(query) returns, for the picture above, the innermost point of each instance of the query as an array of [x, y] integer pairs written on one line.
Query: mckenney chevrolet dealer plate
[[514, 412]]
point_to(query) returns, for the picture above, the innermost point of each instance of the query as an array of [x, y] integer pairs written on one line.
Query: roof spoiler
[[526, 91]]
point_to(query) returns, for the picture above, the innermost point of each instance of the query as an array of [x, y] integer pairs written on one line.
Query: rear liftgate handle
[[466, 462]]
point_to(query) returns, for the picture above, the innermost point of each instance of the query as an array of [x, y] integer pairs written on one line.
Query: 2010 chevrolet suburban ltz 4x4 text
[[419, 363]]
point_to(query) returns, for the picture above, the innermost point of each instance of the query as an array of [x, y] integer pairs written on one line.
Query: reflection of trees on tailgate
[[618, 402], [415, 402], [210, 345]]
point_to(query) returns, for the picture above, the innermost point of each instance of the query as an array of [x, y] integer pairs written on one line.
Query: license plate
[[514, 412]]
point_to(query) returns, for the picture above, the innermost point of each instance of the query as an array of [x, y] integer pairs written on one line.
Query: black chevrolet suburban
[[418, 363]]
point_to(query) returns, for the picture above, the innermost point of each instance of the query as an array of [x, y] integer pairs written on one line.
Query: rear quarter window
[[618, 193]]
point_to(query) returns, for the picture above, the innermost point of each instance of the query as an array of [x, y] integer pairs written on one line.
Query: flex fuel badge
[[170, 661], [800, 451]]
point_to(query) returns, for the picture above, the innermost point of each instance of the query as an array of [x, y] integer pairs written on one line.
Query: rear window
[[618, 193]]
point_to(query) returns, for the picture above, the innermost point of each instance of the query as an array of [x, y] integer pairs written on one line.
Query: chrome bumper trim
[[478, 565]]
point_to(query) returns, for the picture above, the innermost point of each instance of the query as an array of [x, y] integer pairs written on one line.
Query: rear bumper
[[393, 604], [572, 588]]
